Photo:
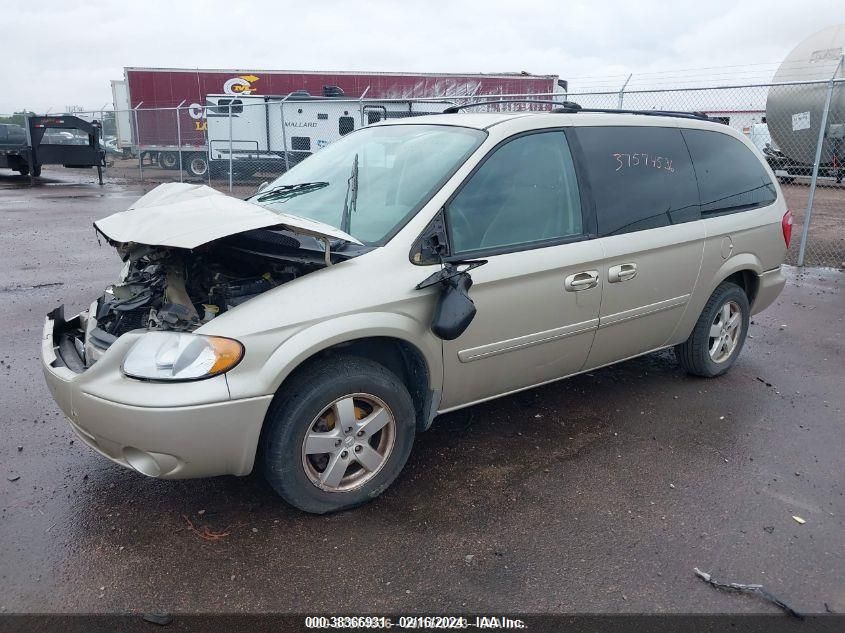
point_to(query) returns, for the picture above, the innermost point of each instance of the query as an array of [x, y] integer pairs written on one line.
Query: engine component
[[179, 290]]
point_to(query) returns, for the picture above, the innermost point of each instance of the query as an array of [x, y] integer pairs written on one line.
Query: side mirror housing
[[455, 309]]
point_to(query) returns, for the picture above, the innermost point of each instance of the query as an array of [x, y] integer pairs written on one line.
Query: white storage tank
[[793, 113]]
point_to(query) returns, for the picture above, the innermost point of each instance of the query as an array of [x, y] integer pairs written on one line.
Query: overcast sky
[[60, 54]]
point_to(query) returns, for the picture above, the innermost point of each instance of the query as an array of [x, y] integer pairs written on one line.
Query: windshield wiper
[[283, 192], [350, 202]]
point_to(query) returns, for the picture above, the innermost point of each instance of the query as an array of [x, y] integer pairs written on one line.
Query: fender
[[740, 261], [708, 283], [325, 334]]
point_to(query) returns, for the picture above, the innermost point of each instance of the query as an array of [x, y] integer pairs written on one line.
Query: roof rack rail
[[570, 107]]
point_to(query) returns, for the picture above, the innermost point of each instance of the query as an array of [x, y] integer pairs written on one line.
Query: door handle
[[581, 281], [622, 272]]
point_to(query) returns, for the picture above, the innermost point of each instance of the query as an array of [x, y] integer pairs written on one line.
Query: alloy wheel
[[348, 443], [725, 331]]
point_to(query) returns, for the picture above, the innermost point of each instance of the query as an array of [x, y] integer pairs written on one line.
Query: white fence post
[[284, 133], [179, 138], [622, 91], [361, 104], [805, 231], [138, 142], [230, 145]]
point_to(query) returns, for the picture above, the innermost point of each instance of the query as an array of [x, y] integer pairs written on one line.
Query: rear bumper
[[172, 431], [770, 284]]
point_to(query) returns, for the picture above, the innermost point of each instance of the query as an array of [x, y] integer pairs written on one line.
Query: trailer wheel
[[168, 160], [197, 165], [23, 171]]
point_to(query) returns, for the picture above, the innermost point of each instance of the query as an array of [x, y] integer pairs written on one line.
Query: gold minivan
[[412, 268]]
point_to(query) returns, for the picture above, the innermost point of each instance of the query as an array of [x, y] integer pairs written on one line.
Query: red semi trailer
[[148, 124]]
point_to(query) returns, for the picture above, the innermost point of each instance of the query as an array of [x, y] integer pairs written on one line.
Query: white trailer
[[122, 116], [273, 133]]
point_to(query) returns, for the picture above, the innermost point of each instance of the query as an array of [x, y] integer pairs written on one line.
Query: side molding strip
[[500, 347], [635, 313]]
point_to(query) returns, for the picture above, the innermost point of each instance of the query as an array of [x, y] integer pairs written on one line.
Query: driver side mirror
[[455, 309]]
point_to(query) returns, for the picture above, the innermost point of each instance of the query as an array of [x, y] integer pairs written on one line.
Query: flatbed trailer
[[28, 148]]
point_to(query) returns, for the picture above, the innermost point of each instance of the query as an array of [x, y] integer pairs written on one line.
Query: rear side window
[[525, 192], [730, 176], [641, 177]]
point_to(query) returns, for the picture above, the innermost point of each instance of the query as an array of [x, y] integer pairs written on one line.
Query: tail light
[[786, 225]]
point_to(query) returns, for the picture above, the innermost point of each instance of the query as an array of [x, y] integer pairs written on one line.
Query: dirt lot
[[596, 494], [826, 243]]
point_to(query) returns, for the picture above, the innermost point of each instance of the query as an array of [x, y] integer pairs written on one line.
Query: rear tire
[[197, 165], [718, 335], [330, 405]]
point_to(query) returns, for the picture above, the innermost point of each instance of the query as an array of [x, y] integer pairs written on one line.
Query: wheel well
[[748, 281], [400, 357]]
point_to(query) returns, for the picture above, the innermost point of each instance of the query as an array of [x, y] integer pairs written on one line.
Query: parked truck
[[149, 124], [14, 148]]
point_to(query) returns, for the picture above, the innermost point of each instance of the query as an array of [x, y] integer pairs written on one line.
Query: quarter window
[[525, 192], [641, 177], [730, 176]]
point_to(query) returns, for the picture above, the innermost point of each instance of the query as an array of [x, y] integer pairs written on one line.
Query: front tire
[[338, 435], [168, 160], [719, 333]]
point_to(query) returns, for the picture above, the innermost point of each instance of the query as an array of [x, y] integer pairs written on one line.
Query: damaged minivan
[[411, 268]]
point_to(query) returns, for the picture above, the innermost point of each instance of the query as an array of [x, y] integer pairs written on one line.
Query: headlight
[[181, 356]]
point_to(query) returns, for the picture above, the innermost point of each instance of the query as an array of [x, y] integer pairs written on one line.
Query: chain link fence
[[235, 143]]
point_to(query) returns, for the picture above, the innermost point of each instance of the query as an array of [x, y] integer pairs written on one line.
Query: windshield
[[370, 182]]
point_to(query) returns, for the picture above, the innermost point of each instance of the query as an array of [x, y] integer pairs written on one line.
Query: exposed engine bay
[[190, 254], [177, 289]]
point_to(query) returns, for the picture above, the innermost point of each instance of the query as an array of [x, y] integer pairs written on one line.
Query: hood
[[186, 216]]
